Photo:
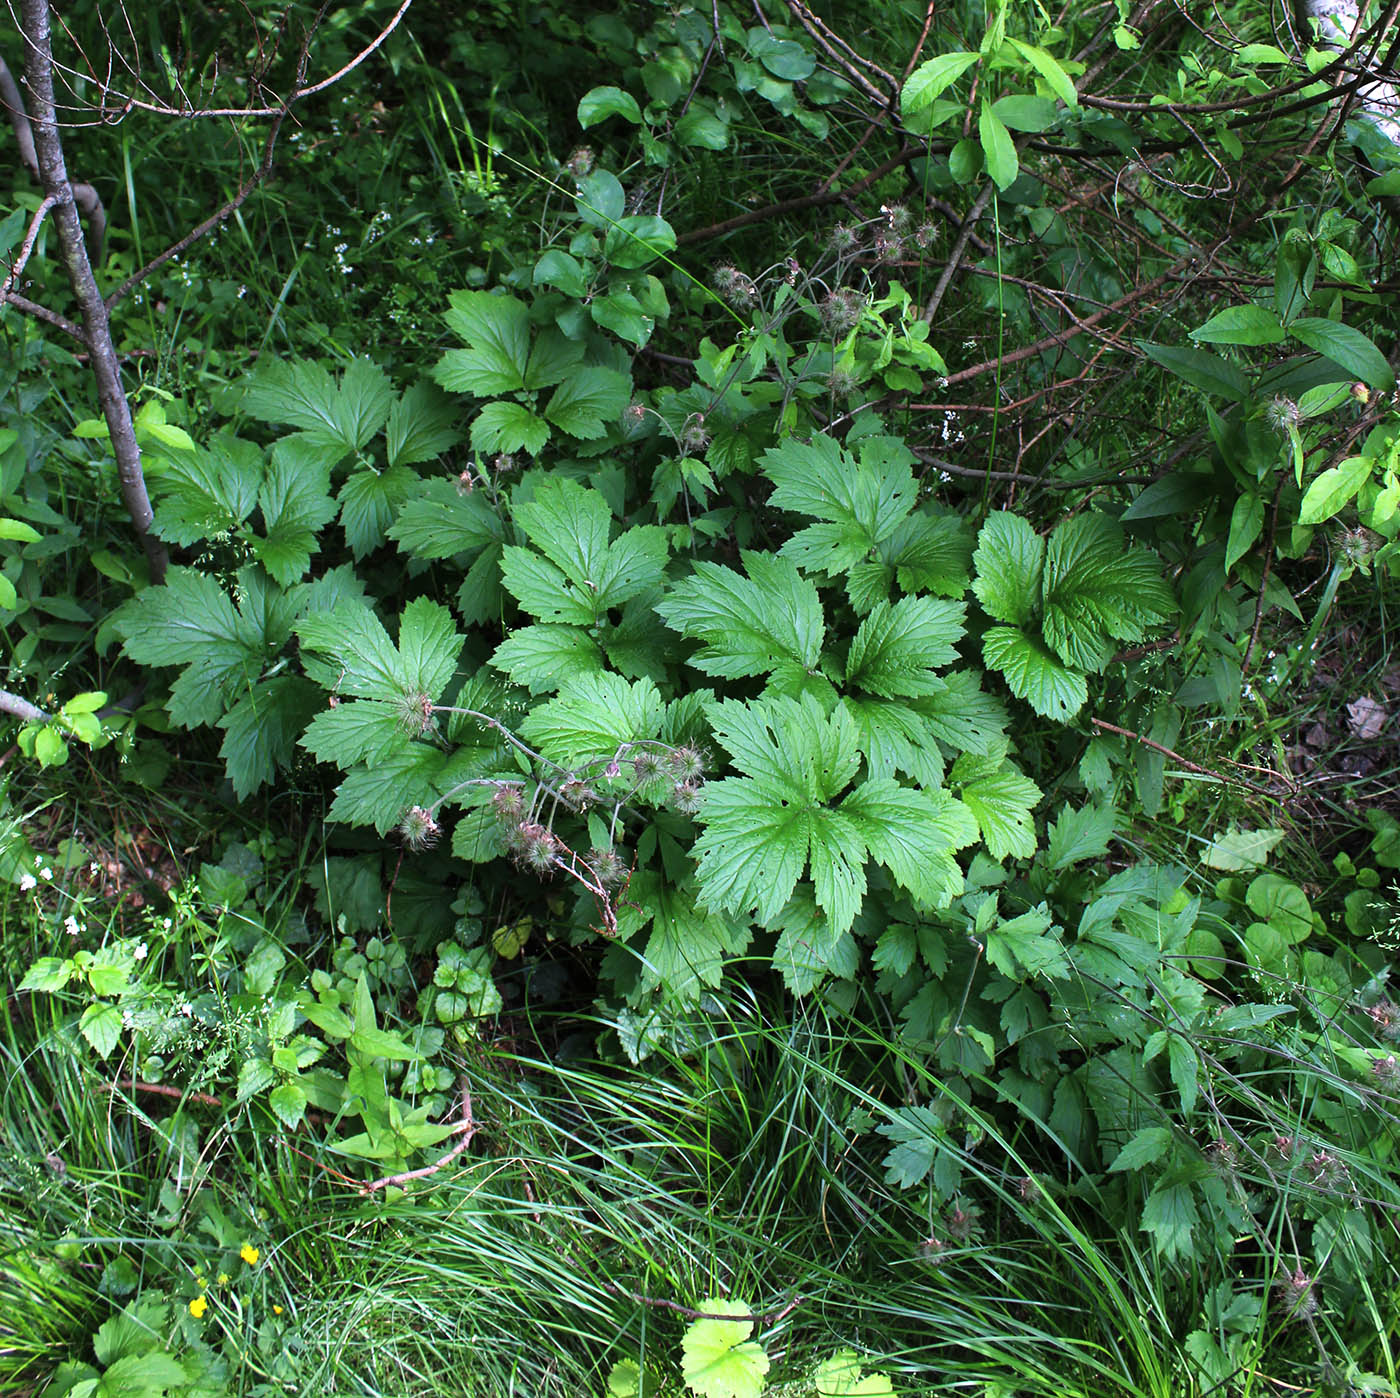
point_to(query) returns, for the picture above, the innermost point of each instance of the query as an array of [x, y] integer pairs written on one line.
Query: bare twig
[[1185, 761], [465, 1130], [955, 257], [19, 708], [96, 331], [160, 1089], [27, 247], [761, 1319]]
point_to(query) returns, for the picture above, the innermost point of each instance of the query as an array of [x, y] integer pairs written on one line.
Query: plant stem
[[96, 325]]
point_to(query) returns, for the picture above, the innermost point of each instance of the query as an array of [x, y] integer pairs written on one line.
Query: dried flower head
[[634, 413], [580, 162], [418, 830], [1028, 1187], [1358, 545], [686, 762], [466, 482], [888, 248], [842, 310], [693, 437], [843, 238], [842, 383], [961, 1222], [608, 866], [1385, 1015], [1282, 414], [415, 713], [734, 286], [505, 464], [648, 767], [537, 847], [924, 235], [1385, 1070], [508, 803], [685, 798], [1296, 1295], [578, 794]]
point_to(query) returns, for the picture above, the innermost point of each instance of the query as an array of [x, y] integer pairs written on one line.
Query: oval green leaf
[[1241, 325], [603, 102], [929, 79], [1334, 489], [1346, 347]]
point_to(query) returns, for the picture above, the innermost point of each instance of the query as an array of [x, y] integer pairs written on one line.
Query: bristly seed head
[[693, 436], [648, 767], [538, 847], [686, 762], [842, 310], [608, 865], [1296, 1295], [685, 798], [415, 713], [509, 803], [580, 162], [1282, 414], [734, 286], [418, 830]]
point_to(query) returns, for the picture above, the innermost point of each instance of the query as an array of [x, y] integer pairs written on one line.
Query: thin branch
[[19, 708], [160, 1089], [97, 330], [465, 1130], [213, 221], [955, 257], [1185, 761], [1263, 581], [761, 1319], [126, 103], [27, 246], [804, 201], [33, 308]]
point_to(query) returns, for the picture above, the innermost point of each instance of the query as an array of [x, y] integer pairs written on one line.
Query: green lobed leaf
[[718, 1359], [588, 401], [295, 502], [443, 520], [897, 648], [1032, 673], [594, 717], [769, 622], [1009, 560], [496, 331], [509, 427], [423, 423], [1002, 802]]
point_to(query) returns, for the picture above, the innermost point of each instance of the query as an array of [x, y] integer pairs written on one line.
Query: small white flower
[[141, 952], [70, 926], [46, 872], [187, 1009], [26, 882], [166, 924]]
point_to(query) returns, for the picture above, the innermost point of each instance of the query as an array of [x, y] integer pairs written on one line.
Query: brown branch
[[97, 331], [16, 707], [955, 257], [33, 308], [160, 1089], [1185, 761], [761, 1319], [214, 220], [27, 247], [803, 201], [465, 1129]]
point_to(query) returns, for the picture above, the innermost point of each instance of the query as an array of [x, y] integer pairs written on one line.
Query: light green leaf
[[496, 330], [1034, 674], [1001, 803], [594, 717], [509, 427], [588, 401], [1346, 347], [602, 102], [1145, 1147], [101, 1026], [932, 77], [1079, 834], [444, 520], [544, 658], [718, 1359], [1238, 850], [998, 149], [1248, 324], [1334, 489], [767, 623], [1009, 560], [423, 424], [1056, 78], [897, 647]]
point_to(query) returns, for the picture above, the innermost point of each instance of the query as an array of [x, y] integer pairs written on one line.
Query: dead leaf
[[1366, 718]]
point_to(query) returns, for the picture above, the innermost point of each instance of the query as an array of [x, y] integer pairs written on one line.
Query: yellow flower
[[223, 1278], [249, 1254], [198, 1306], [277, 1310]]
